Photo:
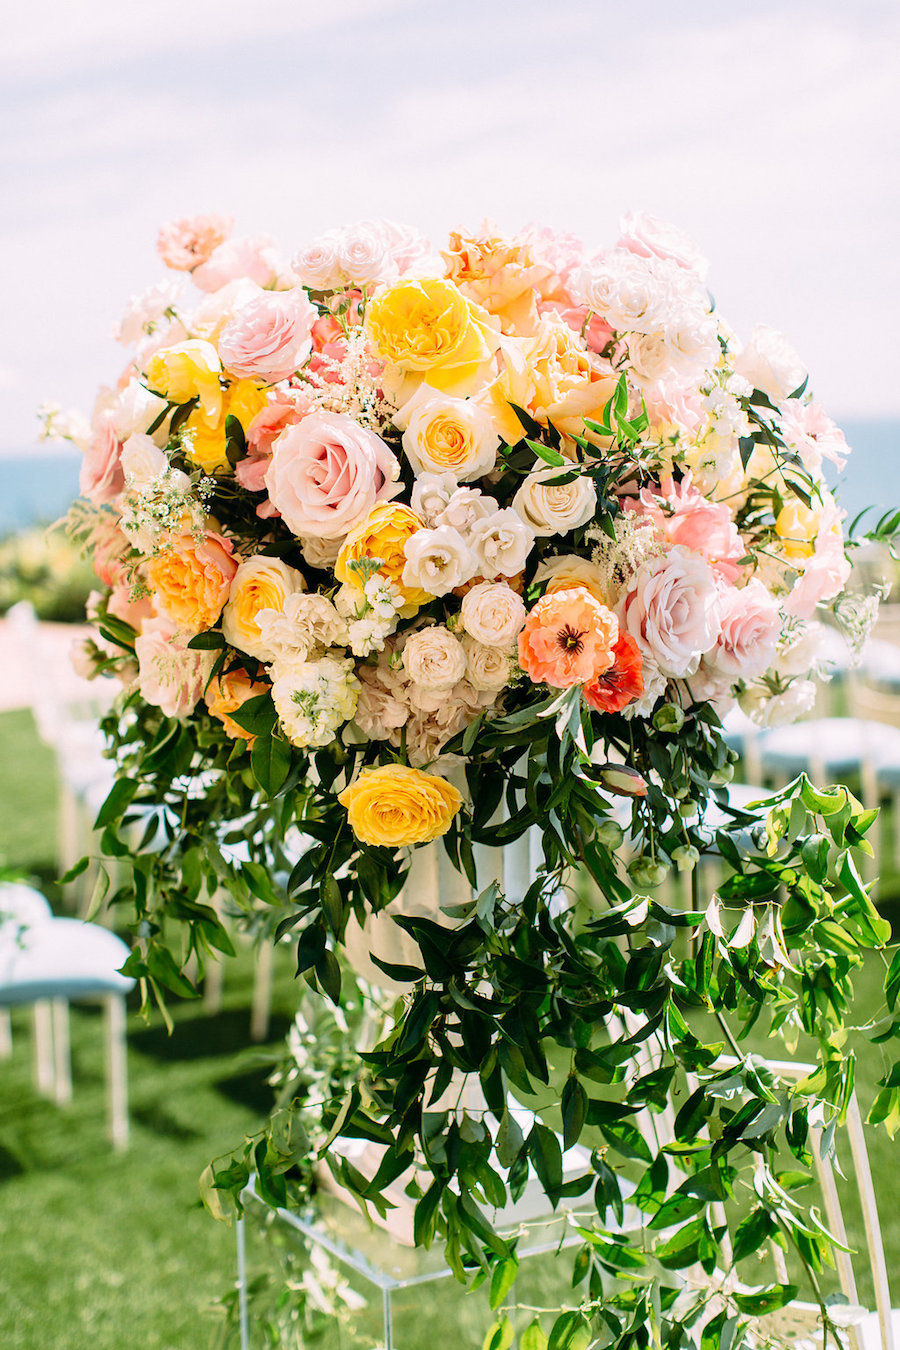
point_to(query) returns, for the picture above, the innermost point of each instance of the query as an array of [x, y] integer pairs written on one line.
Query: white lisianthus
[[437, 561], [487, 668], [777, 710], [308, 621], [434, 659], [314, 698], [770, 363], [143, 311], [431, 493], [493, 614], [442, 434], [555, 508], [502, 542]]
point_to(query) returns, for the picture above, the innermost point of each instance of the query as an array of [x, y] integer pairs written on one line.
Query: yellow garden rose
[[395, 805], [383, 534], [429, 328], [259, 583], [554, 378], [189, 370], [565, 570], [190, 579], [205, 442], [797, 526]]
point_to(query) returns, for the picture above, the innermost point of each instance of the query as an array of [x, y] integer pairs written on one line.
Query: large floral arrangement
[[399, 545]]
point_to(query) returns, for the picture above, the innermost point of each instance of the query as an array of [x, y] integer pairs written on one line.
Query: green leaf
[[500, 1336], [533, 1337], [676, 1209], [117, 802], [753, 1231], [425, 1219], [551, 457], [766, 1300], [509, 1139], [574, 1110], [270, 760], [891, 980], [162, 968], [211, 640], [257, 715], [570, 1331], [546, 1156], [502, 1280], [328, 973]]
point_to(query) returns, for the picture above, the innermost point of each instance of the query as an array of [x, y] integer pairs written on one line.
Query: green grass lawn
[[103, 1251]]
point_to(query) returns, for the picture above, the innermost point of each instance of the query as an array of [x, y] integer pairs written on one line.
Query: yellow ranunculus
[[797, 526], [205, 441], [395, 805], [382, 535], [189, 370], [429, 328]]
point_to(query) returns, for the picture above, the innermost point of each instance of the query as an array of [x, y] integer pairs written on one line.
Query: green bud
[[723, 775], [610, 834], [668, 718], [646, 872], [687, 809], [685, 857]]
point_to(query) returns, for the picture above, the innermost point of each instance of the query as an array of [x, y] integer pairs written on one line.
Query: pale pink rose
[[269, 338], [809, 430], [750, 626], [327, 473], [285, 408], [770, 363], [171, 676], [185, 244], [254, 258], [671, 610], [684, 516], [363, 255], [406, 246], [106, 546], [101, 478], [650, 237], [136, 611], [674, 405], [317, 264], [825, 574]]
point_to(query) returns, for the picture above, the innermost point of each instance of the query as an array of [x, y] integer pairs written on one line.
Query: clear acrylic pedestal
[[389, 1282]]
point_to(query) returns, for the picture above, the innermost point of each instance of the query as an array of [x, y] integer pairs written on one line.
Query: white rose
[[493, 614], [651, 356], [487, 668], [692, 336], [442, 434], [136, 409], [260, 585], [437, 561], [671, 611], [363, 254], [631, 293], [434, 659], [465, 507], [431, 493], [502, 542], [318, 265], [143, 462], [770, 363], [555, 508]]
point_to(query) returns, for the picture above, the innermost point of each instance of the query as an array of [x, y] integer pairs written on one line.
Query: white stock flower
[[314, 698], [308, 621], [555, 508], [493, 614], [770, 363], [487, 668], [502, 543], [369, 634], [383, 597], [437, 561], [434, 659]]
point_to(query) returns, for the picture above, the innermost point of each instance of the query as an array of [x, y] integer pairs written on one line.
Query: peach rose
[[327, 473], [191, 579], [227, 693], [185, 244], [269, 338]]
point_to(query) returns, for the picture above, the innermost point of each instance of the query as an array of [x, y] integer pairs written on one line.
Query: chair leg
[[62, 1053], [262, 993], [117, 1070], [5, 1034], [43, 1048]]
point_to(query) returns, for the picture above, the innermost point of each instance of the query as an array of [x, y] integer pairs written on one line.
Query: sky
[[769, 132]]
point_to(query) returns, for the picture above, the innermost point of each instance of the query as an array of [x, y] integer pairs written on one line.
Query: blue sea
[[37, 487]]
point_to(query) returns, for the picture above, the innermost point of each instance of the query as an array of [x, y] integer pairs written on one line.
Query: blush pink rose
[[101, 478], [650, 237], [597, 333], [674, 405], [270, 337], [284, 409], [327, 473], [122, 605], [671, 611], [185, 244], [254, 258], [171, 676], [748, 636]]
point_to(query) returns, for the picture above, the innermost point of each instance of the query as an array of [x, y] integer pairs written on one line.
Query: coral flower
[[622, 683], [568, 638]]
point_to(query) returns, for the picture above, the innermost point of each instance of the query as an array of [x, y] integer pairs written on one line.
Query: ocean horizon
[[40, 484]]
